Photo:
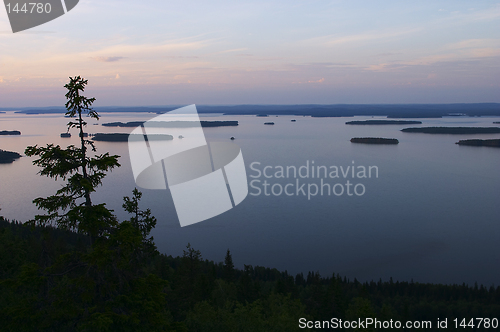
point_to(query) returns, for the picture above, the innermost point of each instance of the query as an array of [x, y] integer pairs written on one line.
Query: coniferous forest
[[56, 280], [78, 268]]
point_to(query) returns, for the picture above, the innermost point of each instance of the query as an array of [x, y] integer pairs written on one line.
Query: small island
[[10, 132], [269, 123], [453, 130], [262, 115], [7, 157], [496, 122], [293, 120], [374, 140], [123, 124], [172, 124], [124, 137], [495, 143], [383, 122]]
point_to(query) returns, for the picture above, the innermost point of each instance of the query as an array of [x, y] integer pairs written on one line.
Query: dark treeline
[[374, 140], [453, 130], [47, 285], [480, 142]]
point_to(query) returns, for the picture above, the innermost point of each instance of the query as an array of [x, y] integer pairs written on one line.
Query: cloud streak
[[335, 40], [108, 58]]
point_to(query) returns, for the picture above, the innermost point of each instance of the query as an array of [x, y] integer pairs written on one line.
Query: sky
[[157, 52]]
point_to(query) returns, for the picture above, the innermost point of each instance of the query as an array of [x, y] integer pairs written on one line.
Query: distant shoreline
[[313, 110]]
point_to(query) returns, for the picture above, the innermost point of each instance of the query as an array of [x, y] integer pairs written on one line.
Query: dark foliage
[[51, 280]]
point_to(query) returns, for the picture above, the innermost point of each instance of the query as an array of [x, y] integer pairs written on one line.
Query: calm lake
[[431, 215]]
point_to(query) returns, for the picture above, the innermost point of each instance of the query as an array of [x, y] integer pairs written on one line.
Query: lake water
[[431, 215]]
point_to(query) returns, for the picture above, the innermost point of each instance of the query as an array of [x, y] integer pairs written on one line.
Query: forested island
[[124, 137], [123, 124], [480, 142], [383, 122], [172, 124], [10, 132], [374, 140], [7, 157], [453, 130], [269, 123]]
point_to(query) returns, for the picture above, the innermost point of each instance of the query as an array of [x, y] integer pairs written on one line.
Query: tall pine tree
[[72, 207]]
